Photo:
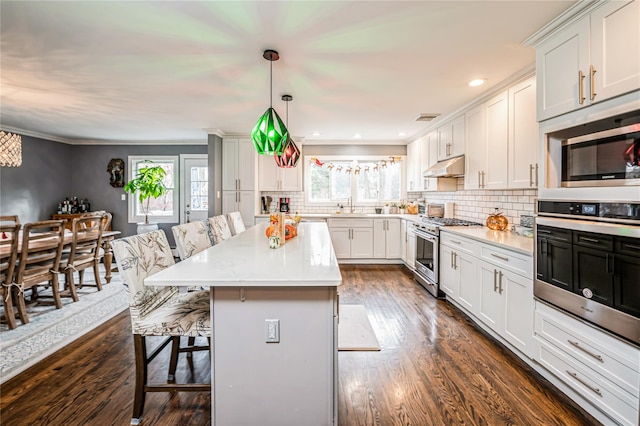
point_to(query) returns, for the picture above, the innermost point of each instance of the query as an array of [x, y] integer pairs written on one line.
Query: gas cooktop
[[448, 221]]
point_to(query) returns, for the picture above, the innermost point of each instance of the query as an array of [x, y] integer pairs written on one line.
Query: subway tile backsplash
[[473, 205]]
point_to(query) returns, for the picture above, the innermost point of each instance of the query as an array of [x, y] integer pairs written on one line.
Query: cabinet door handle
[[592, 81], [591, 240], [530, 174], [536, 175], [506, 259], [455, 242], [588, 352], [575, 376], [500, 275], [455, 260], [495, 280], [483, 175], [581, 97], [452, 261]]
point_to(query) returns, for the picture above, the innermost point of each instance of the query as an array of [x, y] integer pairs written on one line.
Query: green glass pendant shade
[[269, 135], [290, 155]]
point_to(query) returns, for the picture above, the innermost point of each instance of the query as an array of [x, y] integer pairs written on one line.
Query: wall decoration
[[378, 165], [116, 172]]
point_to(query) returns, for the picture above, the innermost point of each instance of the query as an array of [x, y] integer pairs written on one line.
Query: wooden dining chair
[[219, 228], [158, 311], [84, 252], [191, 238], [9, 231], [235, 222], [39, 260]]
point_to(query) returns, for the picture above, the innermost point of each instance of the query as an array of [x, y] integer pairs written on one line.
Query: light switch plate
[[123, 197], [272, 330]]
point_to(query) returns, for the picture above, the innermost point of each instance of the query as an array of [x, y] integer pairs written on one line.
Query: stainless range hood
[[452, 167]]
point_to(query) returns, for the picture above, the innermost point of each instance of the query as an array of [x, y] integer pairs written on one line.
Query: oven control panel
[[624, 212]]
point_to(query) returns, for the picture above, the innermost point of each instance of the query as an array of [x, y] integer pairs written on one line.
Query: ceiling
[[176, 70]]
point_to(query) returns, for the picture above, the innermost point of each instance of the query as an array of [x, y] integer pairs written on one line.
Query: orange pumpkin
[[269, 230], [290, 231]]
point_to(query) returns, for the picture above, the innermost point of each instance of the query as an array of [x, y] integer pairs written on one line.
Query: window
[[163, 209], [368, 180]]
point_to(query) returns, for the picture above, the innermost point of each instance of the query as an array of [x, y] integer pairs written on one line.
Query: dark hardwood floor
[[435, 368]]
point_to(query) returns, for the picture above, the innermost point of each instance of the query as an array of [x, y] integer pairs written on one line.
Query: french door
[[194, 187]]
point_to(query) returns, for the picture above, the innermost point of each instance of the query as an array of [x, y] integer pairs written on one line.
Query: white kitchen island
[[274, 327]]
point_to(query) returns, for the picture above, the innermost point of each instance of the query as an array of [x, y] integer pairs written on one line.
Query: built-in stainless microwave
[[607, 158]]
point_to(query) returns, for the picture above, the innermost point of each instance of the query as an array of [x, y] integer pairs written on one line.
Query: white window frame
[[354, 184], [132, 198]]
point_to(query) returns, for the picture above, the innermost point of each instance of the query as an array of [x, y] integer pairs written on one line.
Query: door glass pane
[[199, 190]]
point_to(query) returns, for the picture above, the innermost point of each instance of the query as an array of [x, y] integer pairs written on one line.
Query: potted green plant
[[402, 206], [148, 184]]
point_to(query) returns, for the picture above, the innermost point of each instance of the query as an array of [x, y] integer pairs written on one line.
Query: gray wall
[[51, 171], [33, 190], [90, 178], [215, 175]]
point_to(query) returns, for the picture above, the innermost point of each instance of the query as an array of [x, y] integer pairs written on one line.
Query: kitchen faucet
[[350, 204]]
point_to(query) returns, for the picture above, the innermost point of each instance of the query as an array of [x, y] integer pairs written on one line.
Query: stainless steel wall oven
[[587, 262]]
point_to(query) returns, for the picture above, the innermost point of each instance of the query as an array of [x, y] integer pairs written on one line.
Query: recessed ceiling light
[[477, 82], [357, 136], [402, 134], [315, 134]]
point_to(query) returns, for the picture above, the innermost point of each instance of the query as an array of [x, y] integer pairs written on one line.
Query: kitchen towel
[[355, 332]]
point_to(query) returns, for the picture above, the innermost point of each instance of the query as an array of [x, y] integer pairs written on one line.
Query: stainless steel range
[[428, 248]]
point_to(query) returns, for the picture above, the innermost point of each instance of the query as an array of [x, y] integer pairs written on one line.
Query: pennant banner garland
[[381, 164]]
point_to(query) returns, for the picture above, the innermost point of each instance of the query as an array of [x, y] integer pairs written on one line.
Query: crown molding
[[570, 15]]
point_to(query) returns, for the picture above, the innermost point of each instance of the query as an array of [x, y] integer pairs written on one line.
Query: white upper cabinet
[[523, 136], [497, 115], [502, 140], [414, 174], [451, 139], [615, 49], [430, 146], [475, 158], [238, 165], [274, 178], [593, 59]]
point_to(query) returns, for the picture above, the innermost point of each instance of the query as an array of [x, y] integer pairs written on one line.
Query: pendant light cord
[[271, 84]]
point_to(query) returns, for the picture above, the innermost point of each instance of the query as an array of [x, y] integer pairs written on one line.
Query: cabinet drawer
[[610, 399], [607, 356], [594, 241], [461, 244], [349, 223], [509, 260]]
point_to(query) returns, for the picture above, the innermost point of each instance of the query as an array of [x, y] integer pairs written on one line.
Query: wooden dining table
[[107, 238]]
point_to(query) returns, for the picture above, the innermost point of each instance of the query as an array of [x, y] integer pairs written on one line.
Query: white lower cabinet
[[411, 247], [240, 201], [403, 240], [352, 238], [506, 305], [491, 284], [386, 239], [603, 369]]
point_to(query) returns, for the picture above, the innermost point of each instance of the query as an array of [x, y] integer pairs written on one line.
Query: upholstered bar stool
[[191, 238], [9, 230], [235, 222], [158, 311], [219, 228]]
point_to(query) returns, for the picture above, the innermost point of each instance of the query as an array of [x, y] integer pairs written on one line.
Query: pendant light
[[290, 153], [269, 134]]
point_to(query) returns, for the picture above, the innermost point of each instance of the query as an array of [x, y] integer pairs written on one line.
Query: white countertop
[[503, 239], [246, 260], [412, 217]]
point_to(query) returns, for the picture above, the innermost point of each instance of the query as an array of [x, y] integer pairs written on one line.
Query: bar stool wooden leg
[[140, 349]]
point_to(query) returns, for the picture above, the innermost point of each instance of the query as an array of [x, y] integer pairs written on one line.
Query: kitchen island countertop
[[247, 261]]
